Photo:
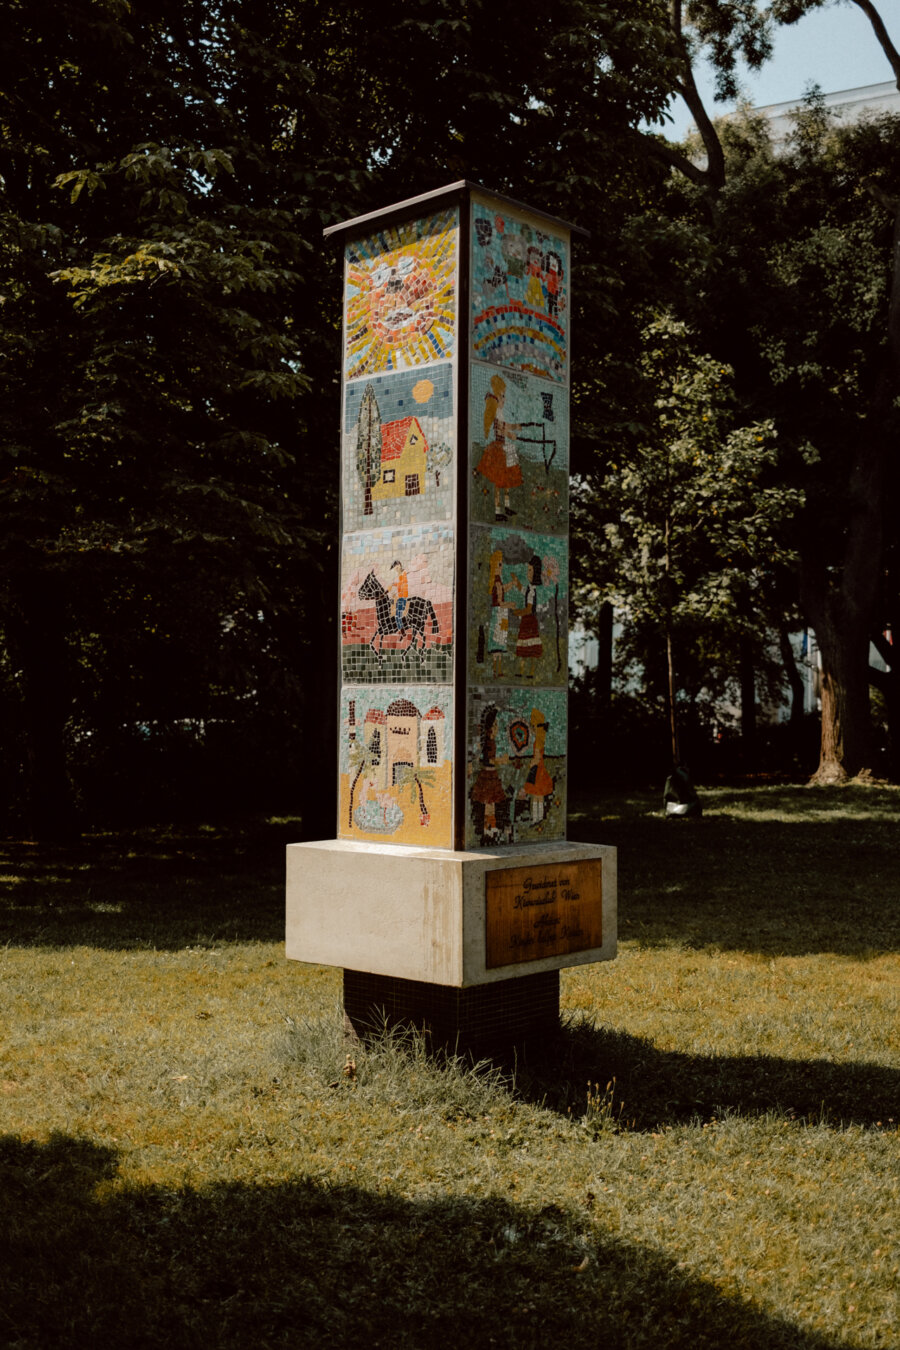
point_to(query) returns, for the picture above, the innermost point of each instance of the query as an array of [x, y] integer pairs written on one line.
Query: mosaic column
[[450, 870]]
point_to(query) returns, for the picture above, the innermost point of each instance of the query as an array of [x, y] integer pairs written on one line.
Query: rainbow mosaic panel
[[398, 447]]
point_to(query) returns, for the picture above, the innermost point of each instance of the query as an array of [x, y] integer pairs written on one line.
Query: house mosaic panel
[[395, 764], [520, 281], [397, 605], [400, 296], [516, 766], [398, 447], [518, 607], [519, 447]]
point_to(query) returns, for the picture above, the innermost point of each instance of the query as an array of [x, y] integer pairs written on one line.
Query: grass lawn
[[186, 1158]]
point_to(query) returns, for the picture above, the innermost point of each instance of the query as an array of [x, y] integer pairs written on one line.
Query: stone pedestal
[[483, 1019], [418, 931]]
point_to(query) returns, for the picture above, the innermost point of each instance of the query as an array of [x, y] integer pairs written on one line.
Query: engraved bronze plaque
[[531, 912]]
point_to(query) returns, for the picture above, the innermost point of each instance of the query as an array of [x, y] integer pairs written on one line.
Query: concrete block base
[[450, 918], [483, 1019]]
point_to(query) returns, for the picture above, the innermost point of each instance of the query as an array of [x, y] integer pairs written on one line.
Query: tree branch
[[882, 35], [712, 178], [715, 157], [676, 159]]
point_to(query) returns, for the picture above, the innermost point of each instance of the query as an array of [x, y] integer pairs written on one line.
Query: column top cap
[[461, 190]]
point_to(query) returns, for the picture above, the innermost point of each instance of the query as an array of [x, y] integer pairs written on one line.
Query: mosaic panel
[[518, 607], [397, 606], [519, 434], [519, 294], [398, 439], [395, 765], [400, 296], [516, 766]]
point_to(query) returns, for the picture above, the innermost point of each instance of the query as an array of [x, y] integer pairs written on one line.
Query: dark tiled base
[[484, 1018]]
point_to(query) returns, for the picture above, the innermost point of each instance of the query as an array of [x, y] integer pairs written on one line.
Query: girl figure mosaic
[[529, 648], [500, 462]]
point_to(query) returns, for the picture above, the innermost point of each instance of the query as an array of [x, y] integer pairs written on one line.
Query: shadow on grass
[[156, 888], [315, 1265], [662, 1088], [793, 872]]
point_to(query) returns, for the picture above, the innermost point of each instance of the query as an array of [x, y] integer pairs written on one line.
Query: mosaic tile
[[519, 294], [395, 765], [400, 296], [519, 439], [399, 435], [397, 605], [518, 607], [515, 766]]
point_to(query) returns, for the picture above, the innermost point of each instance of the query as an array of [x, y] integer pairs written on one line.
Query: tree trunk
[[36, 630], [842, 600], [794, 679], [604, 671], [748, 705], [670, 690], [846, 745], [888, 681]]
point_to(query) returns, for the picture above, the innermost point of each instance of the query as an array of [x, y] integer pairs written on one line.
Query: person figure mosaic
[[400, 588], [538, 784], [489, 800], [498, 635], [499, 463], [529, 647]]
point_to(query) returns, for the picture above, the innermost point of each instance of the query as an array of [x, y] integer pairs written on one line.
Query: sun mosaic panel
[[398, 448], [519, 294], [518, 607], [400, 296], [516, 766], [519, 438], [395, 769], [397, 605]]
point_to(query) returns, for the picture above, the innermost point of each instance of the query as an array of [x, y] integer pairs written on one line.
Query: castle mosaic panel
[[395, 765], [397, 605], [518, 607], [519, 442], [516, 766], [400, 296], [399, 436], [519, 294]]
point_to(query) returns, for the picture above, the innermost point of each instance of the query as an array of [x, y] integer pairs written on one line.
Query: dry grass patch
[[187, 1157]]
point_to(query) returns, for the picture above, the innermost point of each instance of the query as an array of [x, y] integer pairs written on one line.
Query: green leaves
[[80, 179], [692, 517]]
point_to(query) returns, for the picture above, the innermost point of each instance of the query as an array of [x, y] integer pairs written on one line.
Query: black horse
[[417, 613]]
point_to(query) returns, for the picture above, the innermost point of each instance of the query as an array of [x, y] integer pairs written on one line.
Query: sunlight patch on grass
[[190, 1152]]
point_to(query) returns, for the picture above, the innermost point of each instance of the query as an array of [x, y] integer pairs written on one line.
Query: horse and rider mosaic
[[397, 606]]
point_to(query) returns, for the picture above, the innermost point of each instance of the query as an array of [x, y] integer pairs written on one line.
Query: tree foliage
[[789, 272], [687, 526], [170, 326]]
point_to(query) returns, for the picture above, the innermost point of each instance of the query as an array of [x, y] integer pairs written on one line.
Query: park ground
[[708, 1157]]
